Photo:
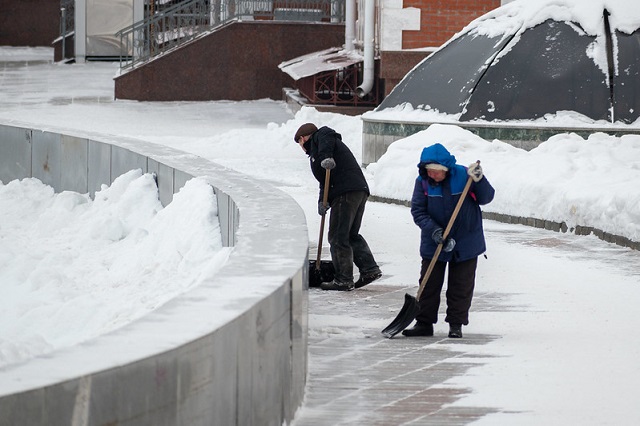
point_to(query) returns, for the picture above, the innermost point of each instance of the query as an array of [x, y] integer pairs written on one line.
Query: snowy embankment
[[565, 179], [73, 268]]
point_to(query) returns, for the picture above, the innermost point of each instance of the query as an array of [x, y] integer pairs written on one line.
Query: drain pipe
[[369, 26], [350, 25], [610, 63]]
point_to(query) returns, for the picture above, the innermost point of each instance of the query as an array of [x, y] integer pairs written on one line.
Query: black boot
[[337, 285], [368, 278], [455, 330], [420, 329]]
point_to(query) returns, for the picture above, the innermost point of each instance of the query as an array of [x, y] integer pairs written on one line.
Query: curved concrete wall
[[208, 357]]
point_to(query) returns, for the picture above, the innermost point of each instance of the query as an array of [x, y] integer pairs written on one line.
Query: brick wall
[[237, 62], [29, 22], [441, 19], [395, 65]]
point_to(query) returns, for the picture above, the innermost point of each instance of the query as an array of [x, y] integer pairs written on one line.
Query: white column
[[395, 19], [350, 24], [80, 30], [138, 11]]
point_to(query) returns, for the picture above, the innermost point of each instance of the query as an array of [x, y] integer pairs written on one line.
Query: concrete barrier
[[379, 134], [536, 223], [208, 357]]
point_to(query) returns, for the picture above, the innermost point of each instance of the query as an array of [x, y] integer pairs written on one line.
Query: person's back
[[346, 175], [329, 157]]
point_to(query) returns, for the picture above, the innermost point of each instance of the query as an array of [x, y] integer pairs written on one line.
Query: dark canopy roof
[[528, 73]]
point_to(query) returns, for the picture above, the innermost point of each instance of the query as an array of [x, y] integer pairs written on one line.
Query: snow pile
[[72, 268], [565, 179]]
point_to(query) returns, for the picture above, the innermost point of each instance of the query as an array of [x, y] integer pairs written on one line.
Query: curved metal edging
[[536, 223]]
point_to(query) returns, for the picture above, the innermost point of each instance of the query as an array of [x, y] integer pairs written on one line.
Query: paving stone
[[366, 379]]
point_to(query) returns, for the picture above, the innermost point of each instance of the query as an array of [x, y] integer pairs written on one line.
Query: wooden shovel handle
[[325, 198]]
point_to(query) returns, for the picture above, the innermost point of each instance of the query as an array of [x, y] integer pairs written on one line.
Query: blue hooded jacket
[[432, 205]]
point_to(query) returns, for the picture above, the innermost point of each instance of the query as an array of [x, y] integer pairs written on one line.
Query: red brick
[[441, 19]]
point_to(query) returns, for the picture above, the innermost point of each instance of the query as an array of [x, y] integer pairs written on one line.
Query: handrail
[[181, 23], [67, 17]]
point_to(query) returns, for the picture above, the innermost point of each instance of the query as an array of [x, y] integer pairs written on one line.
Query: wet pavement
[[358, 377], [372, 380]]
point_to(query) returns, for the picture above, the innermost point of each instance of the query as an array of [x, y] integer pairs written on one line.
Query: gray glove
[[328, 163], [447, 245], [475, 171], [322, 209]]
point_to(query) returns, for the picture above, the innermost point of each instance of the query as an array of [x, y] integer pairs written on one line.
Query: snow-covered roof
[[522, 14], [334, 58], [533, 58]]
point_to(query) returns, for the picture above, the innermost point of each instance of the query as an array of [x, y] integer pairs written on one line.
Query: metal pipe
[[369, 27], [63, 12], [350, 25]]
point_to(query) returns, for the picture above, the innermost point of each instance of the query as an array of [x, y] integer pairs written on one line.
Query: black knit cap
[[305, 130]]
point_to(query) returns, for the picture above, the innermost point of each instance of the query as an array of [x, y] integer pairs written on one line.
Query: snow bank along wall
[[206, 357], [378, 134]]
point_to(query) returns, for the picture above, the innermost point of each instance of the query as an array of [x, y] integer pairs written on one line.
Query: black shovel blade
[[315, 278], [320, 273], [405, 317]]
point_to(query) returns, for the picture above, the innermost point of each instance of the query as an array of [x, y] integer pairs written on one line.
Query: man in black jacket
[[348, 193]]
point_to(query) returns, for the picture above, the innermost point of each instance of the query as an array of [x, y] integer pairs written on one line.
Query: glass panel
[[627, 82], [104, 19]]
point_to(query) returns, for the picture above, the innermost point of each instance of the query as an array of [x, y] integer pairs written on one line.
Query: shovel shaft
[[325, 198]]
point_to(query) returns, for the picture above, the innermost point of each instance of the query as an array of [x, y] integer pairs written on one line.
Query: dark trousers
[[347, 245], [460, 285]]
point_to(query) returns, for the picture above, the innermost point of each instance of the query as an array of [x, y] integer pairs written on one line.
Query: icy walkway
[[551, 339], [509, 352]]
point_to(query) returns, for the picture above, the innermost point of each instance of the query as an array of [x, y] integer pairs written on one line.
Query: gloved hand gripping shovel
[[410, 309], [320, 271]]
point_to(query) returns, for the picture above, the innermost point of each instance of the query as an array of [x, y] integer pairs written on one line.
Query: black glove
[[322, 209], [475, 171], [328, 163], [447, 245]]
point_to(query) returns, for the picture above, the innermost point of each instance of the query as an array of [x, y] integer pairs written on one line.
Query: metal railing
[[67, 23], [67, 17], [174, 26]]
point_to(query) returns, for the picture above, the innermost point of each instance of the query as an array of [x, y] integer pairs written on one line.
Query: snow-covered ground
[[573, 345]]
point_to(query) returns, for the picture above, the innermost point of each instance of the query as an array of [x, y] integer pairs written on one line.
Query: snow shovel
[[321, 271], [410, 309]]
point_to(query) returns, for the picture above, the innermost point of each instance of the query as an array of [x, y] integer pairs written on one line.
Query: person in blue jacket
[[347, 197], [436, 192]]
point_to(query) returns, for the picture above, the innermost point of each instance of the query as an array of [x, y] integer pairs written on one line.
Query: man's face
[[302, 141]]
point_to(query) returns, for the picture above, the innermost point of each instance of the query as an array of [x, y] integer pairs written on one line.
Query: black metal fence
[[166, 29]]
